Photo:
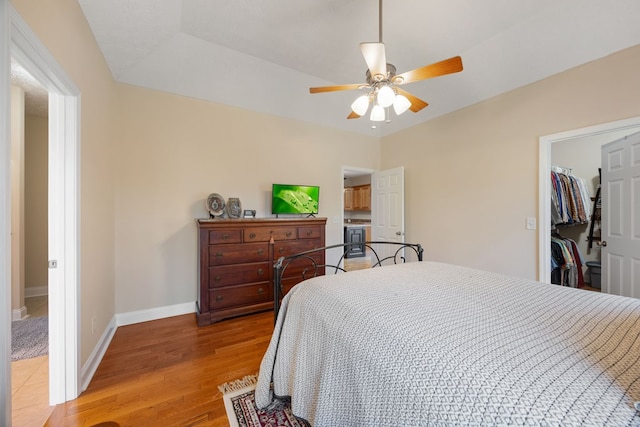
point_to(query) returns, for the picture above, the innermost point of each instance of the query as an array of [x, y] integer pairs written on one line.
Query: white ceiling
[[264, 55]]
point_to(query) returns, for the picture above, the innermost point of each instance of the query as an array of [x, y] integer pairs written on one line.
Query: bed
[[427, 343]]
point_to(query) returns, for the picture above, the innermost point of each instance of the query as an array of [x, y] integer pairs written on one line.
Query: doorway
[[29, 328], [63, 195], [607, 132], [356, 216]]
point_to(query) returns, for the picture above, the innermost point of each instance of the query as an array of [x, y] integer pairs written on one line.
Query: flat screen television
[[295, 199]]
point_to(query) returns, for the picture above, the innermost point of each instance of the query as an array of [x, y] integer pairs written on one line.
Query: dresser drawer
[[238, 253], [313, 232], [239, 295], [294, 274], [264, 234], [225, 236], [303, 265], [226, 275], [292, 248]]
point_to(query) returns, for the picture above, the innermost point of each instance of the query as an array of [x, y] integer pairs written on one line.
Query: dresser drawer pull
[[281, 250], [260, 291], [219, 255], [260, 251], [288, 234], [225, 236], [217, 278], [252, 236], [260, 272], [309, 232], [218, 298]]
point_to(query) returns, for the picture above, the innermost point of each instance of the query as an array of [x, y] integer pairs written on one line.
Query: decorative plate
[[234, 208], [215, 204]]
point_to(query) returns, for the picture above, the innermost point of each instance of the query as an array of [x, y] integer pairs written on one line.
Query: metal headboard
[[402, 253]]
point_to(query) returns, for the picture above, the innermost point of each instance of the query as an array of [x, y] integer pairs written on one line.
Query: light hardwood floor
[[30, 380], [30, 392], [166, 373], [351, 264]]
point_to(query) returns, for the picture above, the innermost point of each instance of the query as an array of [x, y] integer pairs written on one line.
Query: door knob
[[398, 233], [604, 243]]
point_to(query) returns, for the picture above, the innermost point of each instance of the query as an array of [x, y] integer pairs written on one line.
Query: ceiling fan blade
[[417, 104], [375, 58], [353, 115], [334, 88], [448, 66]]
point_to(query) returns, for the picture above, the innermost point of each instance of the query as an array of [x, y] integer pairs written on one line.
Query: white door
[[621, 216], [387, 208]]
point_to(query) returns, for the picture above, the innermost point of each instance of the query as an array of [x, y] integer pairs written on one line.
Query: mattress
[[427, 343]]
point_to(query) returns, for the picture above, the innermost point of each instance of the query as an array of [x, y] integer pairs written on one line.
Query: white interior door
[[621, 216], [387, 205]]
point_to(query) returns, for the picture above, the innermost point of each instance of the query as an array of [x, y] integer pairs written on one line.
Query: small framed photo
[[249, 213]]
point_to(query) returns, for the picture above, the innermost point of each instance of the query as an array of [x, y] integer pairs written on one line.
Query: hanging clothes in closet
[[570, 200], [566, 262], [570, 205]]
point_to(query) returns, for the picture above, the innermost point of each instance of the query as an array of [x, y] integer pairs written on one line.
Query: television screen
[[295, 199]]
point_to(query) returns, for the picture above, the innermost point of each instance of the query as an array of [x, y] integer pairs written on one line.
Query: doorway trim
[[544, 184], [350, 170], [64, 203]]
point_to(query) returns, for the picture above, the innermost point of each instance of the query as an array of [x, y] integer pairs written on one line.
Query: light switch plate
[[531, 223]]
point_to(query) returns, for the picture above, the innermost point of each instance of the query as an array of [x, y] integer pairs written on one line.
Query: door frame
[[347, 170], [64, 206], [544, 185], [357, 172]]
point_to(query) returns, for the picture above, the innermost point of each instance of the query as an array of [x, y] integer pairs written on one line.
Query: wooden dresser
[[236, 258]]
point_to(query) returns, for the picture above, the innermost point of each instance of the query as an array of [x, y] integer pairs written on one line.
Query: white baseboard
[[139, 316], [19, 313], [123, 319], [36, 291], [92, 363]]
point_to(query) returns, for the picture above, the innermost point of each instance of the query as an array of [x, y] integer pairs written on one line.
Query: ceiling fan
[[383, 84]]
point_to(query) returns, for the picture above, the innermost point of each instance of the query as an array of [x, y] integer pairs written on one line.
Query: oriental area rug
[[239, 402]]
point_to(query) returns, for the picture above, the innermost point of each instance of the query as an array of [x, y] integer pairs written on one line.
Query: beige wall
[[36, 204], [472, 176], [175, 151], [17, 202], [149, 160], [62, 28]]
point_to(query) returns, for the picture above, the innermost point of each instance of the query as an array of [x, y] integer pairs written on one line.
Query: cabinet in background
[[236, 258], [348, 199], [357, 198]]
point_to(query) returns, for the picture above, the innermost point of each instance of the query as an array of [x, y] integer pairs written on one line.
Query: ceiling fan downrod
[[380, 21]]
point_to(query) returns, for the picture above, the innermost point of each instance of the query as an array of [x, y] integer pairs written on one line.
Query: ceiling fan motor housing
[[391, 72]]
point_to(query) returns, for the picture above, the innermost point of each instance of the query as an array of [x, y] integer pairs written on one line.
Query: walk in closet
[[571, 206]]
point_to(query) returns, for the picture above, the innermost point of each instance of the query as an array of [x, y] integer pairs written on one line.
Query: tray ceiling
[[263, 56]]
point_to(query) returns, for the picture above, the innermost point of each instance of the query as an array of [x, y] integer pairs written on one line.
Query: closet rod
[[560, 169]]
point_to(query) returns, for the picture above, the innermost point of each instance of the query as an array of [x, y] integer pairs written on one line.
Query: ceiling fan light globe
[[360, 105], [377, 113], [401, 104], [385, 96]]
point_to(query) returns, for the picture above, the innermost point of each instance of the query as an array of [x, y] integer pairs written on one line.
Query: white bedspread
[[426, 343]]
